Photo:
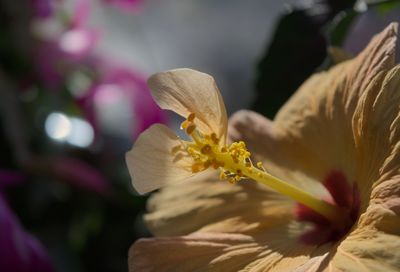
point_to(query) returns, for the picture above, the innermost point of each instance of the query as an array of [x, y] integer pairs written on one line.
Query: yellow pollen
[[247, 162], [214, 138], [197, 167], [215, 164], [222, 175], [206, 149], [185, 124]]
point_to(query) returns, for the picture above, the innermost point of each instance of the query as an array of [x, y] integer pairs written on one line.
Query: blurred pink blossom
[[132, 86], [72, 171], [79, 174], [19, 250], [42, 8], [10, 178], [56, 56]]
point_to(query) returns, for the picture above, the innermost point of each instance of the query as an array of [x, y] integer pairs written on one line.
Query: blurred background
[[73, 98]]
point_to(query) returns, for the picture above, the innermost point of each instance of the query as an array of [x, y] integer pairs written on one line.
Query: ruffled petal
[[186, 91], [213, 205], [315, 125], [20, 251], [374, 244], [376, 126], [272, 251], [259, 135], [314, 133], [152, 163], [368, 250]]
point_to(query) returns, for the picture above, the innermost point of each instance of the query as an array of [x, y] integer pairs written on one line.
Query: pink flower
[[116, 82], [42, 8], [57, 55], [19, 250]]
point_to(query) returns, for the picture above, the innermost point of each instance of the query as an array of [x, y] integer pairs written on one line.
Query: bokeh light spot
[[57, 126], [75, 131], [75, 41], [82, 133]]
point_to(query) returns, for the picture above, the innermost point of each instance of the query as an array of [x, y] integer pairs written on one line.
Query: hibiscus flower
[[336, 141]]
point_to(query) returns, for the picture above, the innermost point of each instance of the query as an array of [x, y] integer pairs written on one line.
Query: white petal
[[151, 162], [186, 91]]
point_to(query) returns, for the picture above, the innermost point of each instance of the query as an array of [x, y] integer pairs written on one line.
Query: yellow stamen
[[235, 164], [185, 124]]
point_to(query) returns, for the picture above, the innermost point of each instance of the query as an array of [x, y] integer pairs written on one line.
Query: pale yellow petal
[[314, 264], [313, 132], [383, 212], [374, 243], [151, 162], [191, 253], [369, 251], [260, 137], [376, 126], [214, 205], [186, 91], [272, 251]]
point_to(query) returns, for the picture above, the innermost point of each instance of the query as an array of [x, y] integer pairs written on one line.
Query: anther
[[247, 162], [207, 164], [175, 149], [191, 117], [229, 174], [190, 129], [215, 164], [197, 167], [222, 176], [206, 149], [214, 138], [260, 166]]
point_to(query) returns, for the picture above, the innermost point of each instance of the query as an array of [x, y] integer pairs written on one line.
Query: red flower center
[[344, 195]]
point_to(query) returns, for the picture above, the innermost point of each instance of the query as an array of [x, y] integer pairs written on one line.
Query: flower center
[[235, 164], [342, 195]]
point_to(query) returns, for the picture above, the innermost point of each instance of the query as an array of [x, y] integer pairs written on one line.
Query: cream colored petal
[[186, 91], [315, 264], [374, 244], [272, 251], [313, 132], [383, 212], [376, 126], [151, 162], [213, 205], [260, 137], [191, 253], [368, 250]]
